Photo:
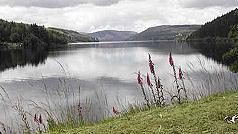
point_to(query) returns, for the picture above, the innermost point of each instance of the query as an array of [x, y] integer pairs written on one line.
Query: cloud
[[134, 15], [55, 3], [208, 3]]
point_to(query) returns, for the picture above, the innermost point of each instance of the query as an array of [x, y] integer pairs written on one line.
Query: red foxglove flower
[[159, 83], [148, 80], [171, 62], [139, 79], [114, 110], [40, 119], [180, 74], [35, 118], [151, 65], [80, 110]]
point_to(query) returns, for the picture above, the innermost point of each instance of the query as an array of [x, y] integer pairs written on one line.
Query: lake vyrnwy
[[105, 73]]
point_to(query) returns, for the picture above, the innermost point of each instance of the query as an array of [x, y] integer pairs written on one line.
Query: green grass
[[203, 116]]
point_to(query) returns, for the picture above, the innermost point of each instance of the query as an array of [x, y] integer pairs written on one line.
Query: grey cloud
[[55, 3], [208, 3], [134, 15]]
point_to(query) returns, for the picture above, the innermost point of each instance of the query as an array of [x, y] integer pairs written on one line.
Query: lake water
[[105, 73]]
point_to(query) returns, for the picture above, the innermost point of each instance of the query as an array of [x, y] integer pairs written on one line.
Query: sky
[[131, 15]]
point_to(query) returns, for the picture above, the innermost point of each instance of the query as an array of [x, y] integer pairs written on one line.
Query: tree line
[[219, 27], [30, 35]]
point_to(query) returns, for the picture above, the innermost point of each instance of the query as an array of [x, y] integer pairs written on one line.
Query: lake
[[105, 74]]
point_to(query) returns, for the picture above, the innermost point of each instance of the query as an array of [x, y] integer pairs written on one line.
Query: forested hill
[[31, 35], [220, 27]]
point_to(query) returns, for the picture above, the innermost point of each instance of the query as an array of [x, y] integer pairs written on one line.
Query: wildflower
[[148, 81], [80, 110], [114, 110], [151, 65], [40, 119], [158, 83], [171, 62], [180, 74], [35, 118], [139, 79]]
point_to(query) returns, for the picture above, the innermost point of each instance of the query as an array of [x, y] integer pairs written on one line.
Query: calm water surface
[[104, 72]]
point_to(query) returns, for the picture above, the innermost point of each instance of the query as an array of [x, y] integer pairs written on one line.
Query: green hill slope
[[166, 32], [203, 116], [75, 36]]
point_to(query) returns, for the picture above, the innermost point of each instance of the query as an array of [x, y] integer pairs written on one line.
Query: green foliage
[[29, 35], [231, 56], [203, 116], [233, 35], [220, 27], [234, 67]]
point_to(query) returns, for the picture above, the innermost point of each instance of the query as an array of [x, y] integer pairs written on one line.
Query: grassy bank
[[203, 116]]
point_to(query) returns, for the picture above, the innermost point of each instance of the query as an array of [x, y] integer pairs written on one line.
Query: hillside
[[14, 34], [166, 32], [220, 37], [112, 35], [29, 35], [75, 36], [203, 116], [219, 27]]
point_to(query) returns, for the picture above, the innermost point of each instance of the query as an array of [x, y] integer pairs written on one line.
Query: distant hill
[[112, 35], [166, 32], [75, 36], [219, 39]]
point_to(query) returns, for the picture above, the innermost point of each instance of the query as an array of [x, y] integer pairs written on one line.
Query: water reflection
[[21, 57], [212, 49]]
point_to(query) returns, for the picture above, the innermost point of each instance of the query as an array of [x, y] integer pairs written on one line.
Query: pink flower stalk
[[139, 79], [40, 119], [180, 74], [80, 110], [114, 110], [171, 62], [35, 118], [159, 84], [148, 81], [151, 65]]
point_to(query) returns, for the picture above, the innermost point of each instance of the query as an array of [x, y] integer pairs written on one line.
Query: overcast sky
[[94, 15]]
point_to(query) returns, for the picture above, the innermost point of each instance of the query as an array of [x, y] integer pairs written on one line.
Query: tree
[[15, 38]]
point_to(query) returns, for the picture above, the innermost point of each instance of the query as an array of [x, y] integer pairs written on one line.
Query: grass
[[202, 116]]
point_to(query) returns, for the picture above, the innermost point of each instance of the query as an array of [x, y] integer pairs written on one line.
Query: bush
[[231, 56]]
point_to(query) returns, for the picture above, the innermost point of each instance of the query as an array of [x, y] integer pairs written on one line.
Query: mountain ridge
[[165, 32], [112, 35]]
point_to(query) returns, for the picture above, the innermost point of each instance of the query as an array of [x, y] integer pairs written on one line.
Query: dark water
[[105, 74]]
